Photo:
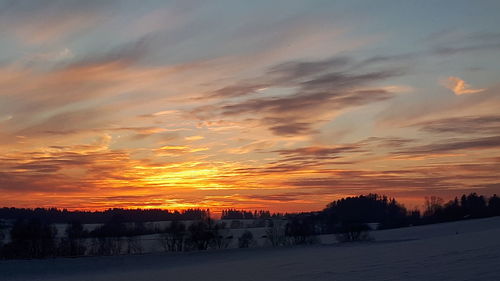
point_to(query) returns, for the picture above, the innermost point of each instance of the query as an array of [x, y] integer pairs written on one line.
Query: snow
[[465, 250]]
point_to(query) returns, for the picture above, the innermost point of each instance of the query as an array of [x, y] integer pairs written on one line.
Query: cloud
[[237, 90], [457, 50], [404, 113], [68, 122], [126, 54], [299, 113], [178, 150], [90, 122], [39, 22], [282, 74], [477, 125], [296, 197], [454, 145], [63, 168], [251, 147], [417, 181], [460, 87], [293, 129], [194, 138], [341, 80], [92, 93], [294, 70], [320, 151], [318, 91], [49, 57], [453, 42]]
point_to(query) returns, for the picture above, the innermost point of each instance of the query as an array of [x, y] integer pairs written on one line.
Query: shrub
[[351, 232], [172, 239], [246, 240]]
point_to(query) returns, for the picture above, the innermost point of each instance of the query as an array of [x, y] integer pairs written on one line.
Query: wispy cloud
[[170, 104], [459, 86], [456, 144], [44, 21], [477, 125], [178, 149], [319, 92]]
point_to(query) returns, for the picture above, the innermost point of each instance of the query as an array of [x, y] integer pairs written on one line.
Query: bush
[[172, 239], [351, 232], [300, 230], [199, 235], [246, 240], [107, 246]]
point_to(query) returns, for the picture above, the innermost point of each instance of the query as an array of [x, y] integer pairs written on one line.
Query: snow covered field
[[466, 250]]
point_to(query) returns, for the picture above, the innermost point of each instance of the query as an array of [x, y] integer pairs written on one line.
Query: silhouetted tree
[[245, 240], [494, 205], [414, 217], [452, 210], [433, 206], [275, 232], [107, 246], [221, 237], [365, 209], [31, 239], [53, 215], [300, 229], [351, 232], [469, 206], [2, 237], [172, 239], [108, 239], [200, 234], [241, 214], [73, 244], [133, 245], [474, 205]]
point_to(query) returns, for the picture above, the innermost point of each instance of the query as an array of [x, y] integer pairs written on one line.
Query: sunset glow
[[246, 104]]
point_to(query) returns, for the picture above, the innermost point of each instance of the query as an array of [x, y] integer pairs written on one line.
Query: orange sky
[[243, 105]]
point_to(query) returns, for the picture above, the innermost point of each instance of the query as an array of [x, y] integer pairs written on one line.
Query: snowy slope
[[466, 250]]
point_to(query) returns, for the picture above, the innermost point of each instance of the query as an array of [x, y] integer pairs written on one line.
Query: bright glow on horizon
[[283, 107]]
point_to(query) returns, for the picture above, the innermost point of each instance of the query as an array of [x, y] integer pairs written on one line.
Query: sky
[[276, 105]]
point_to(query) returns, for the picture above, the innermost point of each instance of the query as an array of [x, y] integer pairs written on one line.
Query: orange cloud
[[194, 138], [179, 149], [460, 87]]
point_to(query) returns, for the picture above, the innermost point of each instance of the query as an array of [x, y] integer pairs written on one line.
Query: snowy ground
[[467, 250]]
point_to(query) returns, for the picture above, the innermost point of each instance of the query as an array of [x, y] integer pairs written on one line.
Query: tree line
[[54, 215], [467, 206], [350, 217], [242, 214], [33, 235], [34, 238]]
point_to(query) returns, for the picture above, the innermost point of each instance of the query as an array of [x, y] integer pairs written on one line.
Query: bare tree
[[73, 244], [275, 233], [433, 205], [133, 245], [246, 240], [172, 239], [200, 234], [221, 237]]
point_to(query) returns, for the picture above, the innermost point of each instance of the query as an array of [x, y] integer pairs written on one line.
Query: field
[[465, 250]]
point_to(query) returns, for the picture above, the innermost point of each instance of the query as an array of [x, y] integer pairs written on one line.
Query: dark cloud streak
[[489, 124]]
